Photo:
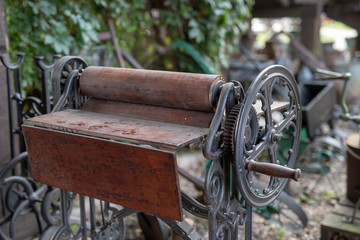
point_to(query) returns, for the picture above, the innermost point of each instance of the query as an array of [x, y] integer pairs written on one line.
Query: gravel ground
[[317, 195]]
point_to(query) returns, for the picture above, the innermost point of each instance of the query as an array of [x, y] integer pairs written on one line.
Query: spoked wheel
[[291, 215], [61, 71], [50, 208], [252, 140]]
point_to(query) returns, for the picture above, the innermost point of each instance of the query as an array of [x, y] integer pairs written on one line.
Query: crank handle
[[274, 170]]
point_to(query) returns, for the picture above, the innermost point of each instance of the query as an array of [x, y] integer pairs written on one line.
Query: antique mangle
[[114, 134]]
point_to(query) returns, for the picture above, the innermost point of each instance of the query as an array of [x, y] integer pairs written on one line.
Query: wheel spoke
[[64, 74], [272, 154], [17, 192], [285, 123], [257, 150], [267, 110], [69, 68]]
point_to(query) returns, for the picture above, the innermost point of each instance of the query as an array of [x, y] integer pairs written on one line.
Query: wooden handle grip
[[274, 170]]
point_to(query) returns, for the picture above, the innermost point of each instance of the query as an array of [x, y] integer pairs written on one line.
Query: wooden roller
[[157, 88], [151, 113]]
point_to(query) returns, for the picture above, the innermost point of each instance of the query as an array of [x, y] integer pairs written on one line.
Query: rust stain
[[109, 122], [125, 132], [78, 124], [96, 127]]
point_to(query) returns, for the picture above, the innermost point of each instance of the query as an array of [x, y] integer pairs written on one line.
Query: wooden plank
[[346, 211], [140, 178], [189, 91], [163, 135], [334, 223], [152, 113], [346, 202]]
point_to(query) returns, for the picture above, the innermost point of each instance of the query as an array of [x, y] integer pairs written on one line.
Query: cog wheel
[[278, 124], [62, 68], [251, 130]]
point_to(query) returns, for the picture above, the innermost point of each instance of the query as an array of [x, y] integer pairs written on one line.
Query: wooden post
[[5, 150], [310, 28]]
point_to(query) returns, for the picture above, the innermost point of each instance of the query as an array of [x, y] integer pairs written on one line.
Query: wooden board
[[136, 177], [163, 135], [334, 221]]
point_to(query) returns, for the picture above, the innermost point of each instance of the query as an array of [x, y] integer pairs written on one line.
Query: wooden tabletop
[[131, 130], [118, 128]]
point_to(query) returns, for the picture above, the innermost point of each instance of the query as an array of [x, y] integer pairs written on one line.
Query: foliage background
[[144, 29]]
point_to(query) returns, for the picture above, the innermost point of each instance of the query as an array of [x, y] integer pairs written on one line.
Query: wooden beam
[[276, 12], [310, 28], [5, 151]]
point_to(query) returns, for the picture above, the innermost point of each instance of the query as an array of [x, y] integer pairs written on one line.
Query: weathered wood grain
[[152, 113], [163, 135], [158, 88], [136, 177]]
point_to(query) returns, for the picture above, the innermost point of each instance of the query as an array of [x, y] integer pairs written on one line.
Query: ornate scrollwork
[[214, 186], [32, 107]]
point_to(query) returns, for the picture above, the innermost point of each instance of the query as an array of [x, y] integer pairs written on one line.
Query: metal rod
[[45, 77], [195, 180], [248, 223], [8, 72], [92, 219], [357, 205], [210, 151], [68, 86], [64, 200], [83, 218]]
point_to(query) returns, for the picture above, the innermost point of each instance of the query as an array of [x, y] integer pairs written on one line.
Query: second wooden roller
[[158, 88]]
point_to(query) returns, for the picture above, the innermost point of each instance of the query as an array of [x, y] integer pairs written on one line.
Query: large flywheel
[[267, 119]]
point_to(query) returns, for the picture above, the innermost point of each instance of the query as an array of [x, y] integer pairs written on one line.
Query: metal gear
[[251, 131], [62, 68]]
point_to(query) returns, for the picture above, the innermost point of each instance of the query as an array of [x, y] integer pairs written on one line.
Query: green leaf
[[49, 39]]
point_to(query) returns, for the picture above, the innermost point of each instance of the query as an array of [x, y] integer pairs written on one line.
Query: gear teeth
[[230, 125], [228, 135]]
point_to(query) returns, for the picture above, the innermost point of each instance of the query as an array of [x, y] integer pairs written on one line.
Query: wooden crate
[[334, 224]]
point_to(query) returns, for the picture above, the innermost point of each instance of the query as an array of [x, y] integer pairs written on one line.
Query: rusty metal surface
[[140, 178], [163, 135], [152, 113], [159, 88], [318, 100]]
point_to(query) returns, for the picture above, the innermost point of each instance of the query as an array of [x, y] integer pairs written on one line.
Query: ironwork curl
[[31, 107], [214, 186]]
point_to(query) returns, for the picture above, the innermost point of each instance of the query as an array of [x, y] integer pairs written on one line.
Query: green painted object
[[189, 49]]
